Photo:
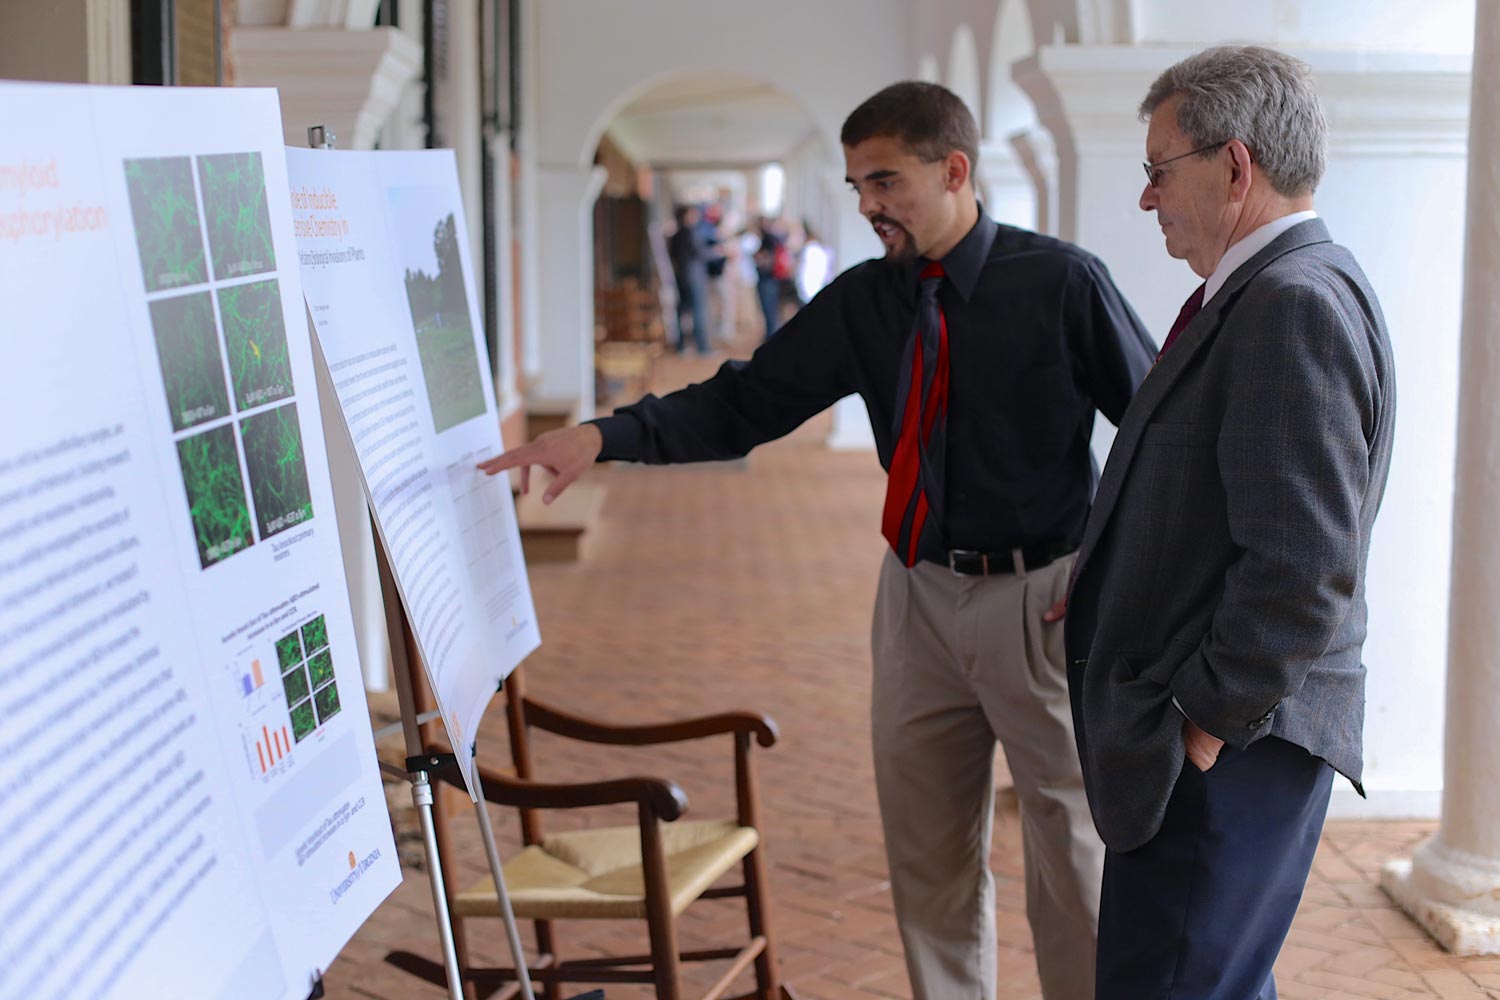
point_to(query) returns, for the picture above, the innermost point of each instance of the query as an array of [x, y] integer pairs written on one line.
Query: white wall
[[1412, 26], [1007, 110], [1394, 194]]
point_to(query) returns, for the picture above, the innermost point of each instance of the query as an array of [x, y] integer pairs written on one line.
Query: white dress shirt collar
[[1248, 247]]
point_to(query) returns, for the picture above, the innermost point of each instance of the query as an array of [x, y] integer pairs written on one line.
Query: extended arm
[[803, 369]]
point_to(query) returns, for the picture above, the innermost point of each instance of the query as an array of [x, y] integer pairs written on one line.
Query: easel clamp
[[433, 763]]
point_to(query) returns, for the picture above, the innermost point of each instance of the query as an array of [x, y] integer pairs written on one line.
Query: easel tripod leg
[[512, 932]]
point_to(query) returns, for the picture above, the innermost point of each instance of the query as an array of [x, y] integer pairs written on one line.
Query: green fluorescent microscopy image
[[164, 210], [315, 634], [321, 667], [295, 684], [278, 473], [303, 721], [255, 337], [439, 306], [328, 703], [288, 651], [234, 206], [215, 494], [192, 371]]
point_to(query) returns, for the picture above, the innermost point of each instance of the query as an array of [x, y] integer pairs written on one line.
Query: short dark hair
[[930, 120]]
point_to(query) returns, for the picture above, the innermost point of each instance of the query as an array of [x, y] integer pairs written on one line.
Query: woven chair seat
[[597, 874]]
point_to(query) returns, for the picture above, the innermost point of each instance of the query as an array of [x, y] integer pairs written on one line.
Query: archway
[[735, 146], [963, 69], [1017, 165]]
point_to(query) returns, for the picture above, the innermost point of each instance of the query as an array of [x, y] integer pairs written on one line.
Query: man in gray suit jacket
[[1217, 614]]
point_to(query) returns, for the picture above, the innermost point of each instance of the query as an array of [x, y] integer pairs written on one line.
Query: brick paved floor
[[748, 584]]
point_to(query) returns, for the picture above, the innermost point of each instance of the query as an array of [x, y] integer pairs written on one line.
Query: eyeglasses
[[1154, 171]]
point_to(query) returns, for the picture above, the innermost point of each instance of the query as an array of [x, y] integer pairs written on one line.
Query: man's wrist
[[620, 438]]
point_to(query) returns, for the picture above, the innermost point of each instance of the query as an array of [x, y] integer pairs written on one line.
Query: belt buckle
[[956, 554]]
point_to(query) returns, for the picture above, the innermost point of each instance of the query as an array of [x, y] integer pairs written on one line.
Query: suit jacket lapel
[[1168, 371]]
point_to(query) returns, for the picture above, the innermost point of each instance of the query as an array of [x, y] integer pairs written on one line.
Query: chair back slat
[[520, 751]]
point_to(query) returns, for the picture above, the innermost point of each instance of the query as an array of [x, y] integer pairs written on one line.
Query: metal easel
[[420, 764]]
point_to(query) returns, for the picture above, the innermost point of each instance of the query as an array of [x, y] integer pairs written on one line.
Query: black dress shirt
[[1038, 338]]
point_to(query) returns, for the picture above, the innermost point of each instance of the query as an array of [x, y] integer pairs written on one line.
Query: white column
[[109, 41], [458, 112], [855, 241], [507, 387], [851, 426], [528, 199], [1451, 886], [1086, 98], [1037, 154], [348, 81], [1006, 187], [566, 195]]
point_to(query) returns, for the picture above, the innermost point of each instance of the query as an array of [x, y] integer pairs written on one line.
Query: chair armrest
[[554, 720], [663, 798]]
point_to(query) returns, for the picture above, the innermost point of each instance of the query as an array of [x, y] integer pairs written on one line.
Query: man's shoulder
[[1014, 245], [867, 275], [1312, 294], [1318, 270]]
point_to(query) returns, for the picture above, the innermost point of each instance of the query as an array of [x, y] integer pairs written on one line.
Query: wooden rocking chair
[[651, 871]]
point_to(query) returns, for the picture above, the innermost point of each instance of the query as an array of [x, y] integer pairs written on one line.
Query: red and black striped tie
[[914, 488]]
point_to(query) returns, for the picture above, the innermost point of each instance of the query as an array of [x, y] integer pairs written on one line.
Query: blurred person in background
[[814, 265], [690, 255]]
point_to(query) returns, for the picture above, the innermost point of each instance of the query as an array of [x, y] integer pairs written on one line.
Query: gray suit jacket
[[1224, 559]]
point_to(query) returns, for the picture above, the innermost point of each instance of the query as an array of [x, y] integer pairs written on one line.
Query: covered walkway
[[749, 584]]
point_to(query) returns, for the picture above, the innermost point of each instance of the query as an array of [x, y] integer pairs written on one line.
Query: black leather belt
[[971, 562]]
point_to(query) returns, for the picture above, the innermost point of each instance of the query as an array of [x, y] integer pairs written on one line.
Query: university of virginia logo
[[357, 869]]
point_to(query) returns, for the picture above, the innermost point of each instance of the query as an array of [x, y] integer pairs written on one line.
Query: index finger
[[507, 460]]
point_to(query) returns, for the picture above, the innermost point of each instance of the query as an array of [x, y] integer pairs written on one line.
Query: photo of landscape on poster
[[393, 302], [194, 807]]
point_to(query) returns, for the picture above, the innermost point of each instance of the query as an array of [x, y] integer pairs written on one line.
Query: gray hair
[[1259, 96]]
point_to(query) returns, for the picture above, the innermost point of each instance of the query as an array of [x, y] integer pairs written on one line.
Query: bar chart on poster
[[392, 300], [191, 804]]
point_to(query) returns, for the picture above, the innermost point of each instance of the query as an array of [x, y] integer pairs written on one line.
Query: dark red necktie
[[1190, 308], [914, 488]]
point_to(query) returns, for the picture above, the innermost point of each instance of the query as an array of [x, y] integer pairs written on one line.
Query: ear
[[1240, 163], [957, 169]]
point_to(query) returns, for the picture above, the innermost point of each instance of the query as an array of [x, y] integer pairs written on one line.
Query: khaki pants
[[961, 661]]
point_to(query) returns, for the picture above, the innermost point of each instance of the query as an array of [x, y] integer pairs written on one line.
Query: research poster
[[191, 804], [392, 298]]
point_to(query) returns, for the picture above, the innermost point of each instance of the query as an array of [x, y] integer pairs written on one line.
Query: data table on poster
[[391, 296], [192, 804]]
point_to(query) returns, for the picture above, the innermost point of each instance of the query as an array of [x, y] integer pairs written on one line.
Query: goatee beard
[[904, 251]]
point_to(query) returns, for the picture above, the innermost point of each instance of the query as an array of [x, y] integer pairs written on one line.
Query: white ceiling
[[710, 119]]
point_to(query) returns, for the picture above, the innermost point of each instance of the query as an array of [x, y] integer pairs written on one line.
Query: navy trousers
[[1200, 911], [692, 306]]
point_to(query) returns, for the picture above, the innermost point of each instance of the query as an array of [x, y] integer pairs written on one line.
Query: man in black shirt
[[688, 250], [982, 352]]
